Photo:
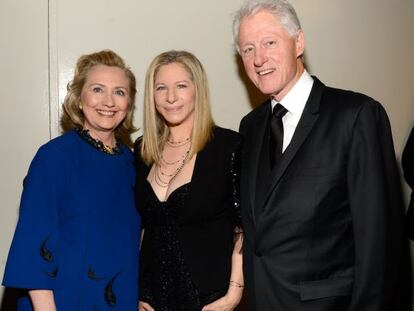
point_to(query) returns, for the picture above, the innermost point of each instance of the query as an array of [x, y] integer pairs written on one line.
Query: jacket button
[[258, 254]]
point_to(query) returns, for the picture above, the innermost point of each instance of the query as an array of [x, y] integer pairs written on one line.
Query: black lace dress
[[166, 278]]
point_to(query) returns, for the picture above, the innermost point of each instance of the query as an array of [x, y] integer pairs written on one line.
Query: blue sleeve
[[32, 261]]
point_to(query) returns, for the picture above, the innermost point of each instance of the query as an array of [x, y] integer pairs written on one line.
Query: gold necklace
[[108, 149], [178, 143], [159, 174], [163, 160], [85, 133]]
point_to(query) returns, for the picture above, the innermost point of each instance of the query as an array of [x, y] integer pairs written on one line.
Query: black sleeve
[[235, 181], [141, 170], [376, 205], [407, 160]]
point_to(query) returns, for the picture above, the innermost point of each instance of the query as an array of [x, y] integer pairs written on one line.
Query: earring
[[80, 106]]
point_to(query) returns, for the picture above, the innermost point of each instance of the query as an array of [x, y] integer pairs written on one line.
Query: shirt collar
[[296, 99]]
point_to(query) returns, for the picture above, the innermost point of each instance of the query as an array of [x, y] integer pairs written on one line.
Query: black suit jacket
[[326, 232], [407, 161]]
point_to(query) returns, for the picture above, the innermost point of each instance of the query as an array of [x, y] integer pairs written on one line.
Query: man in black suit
[[320, 192]]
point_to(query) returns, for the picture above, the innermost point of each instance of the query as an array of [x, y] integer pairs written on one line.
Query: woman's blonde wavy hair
[[72, 114]]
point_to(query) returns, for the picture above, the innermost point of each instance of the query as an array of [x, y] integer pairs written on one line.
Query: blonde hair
[[155, 130], [72, 114]]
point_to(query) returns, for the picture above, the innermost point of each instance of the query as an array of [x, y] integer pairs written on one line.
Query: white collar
[[295, 100]]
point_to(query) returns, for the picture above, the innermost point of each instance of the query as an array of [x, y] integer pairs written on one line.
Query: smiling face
[[104, 99], [271, 57], [174, 94]]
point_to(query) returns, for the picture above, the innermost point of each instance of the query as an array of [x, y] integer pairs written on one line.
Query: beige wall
[[366, 46], [24, 102], [139, 32]]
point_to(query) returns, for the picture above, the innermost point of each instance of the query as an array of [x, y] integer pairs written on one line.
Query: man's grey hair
[[282, 10]]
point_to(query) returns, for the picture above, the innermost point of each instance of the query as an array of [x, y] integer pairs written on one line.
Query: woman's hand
[[226, 303], [143, 306]]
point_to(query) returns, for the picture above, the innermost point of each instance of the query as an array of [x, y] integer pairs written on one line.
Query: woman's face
[[174, 94], [104, 99]]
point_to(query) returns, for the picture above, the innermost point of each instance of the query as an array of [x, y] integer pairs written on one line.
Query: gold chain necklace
[[163, 160], [178, 143], [159, 174]]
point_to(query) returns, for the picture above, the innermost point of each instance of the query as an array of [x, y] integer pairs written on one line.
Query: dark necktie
[[276, 134]]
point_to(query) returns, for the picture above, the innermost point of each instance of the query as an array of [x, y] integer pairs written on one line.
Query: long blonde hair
[[155, 130]]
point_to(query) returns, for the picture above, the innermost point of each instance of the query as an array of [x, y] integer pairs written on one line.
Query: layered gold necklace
[[164, 179]]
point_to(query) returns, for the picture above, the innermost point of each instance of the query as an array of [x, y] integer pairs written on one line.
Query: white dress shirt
[[294, 102]]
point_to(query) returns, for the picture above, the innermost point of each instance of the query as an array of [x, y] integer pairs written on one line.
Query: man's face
[[271, 56]]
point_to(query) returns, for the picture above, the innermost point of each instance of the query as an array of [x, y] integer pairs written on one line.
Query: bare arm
[[143, 306], [42, 300], [142, 238], [236, 284]]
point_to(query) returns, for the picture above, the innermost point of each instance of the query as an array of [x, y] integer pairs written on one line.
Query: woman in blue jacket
[[76, 242]]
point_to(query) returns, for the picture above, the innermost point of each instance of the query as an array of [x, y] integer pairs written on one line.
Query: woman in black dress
[[187, 194]]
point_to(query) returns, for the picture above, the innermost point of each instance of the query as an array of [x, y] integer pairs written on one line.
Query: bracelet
[[234, 283]]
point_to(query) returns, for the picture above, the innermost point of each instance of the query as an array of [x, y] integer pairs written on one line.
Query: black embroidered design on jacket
[[52, 273], [110, 296], [45, 253], [93, 276], [47, 256]]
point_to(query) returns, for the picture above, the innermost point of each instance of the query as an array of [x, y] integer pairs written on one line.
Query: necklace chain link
[[159, 175], [178, 143]]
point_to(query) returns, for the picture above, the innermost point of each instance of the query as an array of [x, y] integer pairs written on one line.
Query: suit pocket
[[310, 290]]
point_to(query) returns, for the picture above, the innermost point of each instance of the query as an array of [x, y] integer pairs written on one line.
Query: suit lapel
[[307, 121], [258, 136]]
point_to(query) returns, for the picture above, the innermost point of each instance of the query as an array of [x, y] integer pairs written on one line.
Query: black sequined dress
[[161, 274], [186, 250]]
